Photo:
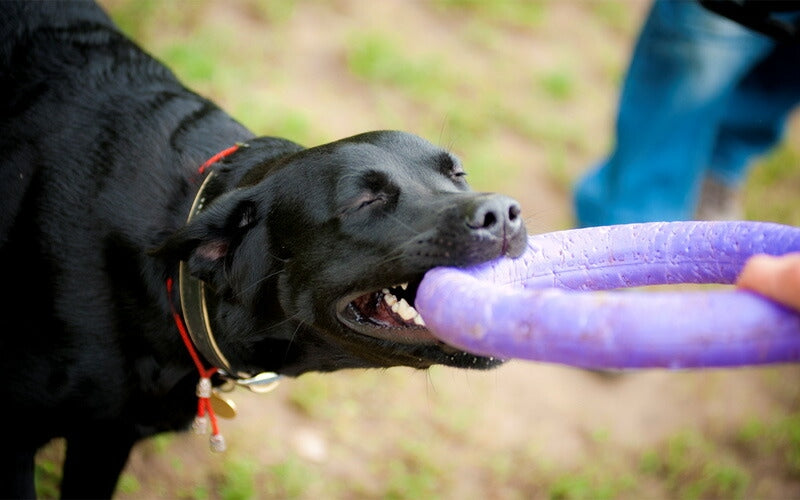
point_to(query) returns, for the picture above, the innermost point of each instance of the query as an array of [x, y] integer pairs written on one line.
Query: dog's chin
[[388, 315]]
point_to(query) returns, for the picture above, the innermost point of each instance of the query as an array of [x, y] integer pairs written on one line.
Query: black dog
[[300, 251]]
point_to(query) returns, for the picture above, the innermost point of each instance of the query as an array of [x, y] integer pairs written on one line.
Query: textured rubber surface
[[556, 303]]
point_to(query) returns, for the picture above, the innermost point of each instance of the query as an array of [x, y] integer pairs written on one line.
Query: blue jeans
[[702, 97]]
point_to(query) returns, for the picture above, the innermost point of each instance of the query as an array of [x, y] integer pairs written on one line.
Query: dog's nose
[[497, 214]]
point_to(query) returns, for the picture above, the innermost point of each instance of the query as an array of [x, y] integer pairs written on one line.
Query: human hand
[[777, 278]]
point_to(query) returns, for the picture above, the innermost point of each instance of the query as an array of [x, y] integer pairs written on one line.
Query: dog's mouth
[[387, 313]]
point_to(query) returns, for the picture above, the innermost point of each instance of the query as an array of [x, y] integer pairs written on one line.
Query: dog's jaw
[[387, 316]]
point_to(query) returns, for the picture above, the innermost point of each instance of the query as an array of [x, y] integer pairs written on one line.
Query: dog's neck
[[194, 303]]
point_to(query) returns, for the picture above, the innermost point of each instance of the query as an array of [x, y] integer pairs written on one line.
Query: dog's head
[[314, 257]]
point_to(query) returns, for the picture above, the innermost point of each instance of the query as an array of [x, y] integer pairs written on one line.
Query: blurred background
[[525, 92]]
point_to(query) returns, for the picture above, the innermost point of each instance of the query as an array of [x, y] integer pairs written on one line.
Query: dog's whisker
[[300, 323], [402, 223], [390, 258], [258, 282]]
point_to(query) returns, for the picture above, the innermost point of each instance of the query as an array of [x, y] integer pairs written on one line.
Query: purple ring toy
[[556, 302]]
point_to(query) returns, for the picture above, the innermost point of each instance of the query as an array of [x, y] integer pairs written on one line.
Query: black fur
[[100, 150]]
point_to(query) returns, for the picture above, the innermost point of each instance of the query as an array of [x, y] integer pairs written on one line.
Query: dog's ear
[[211, 237]]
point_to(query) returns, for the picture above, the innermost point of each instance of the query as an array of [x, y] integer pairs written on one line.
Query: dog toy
[[559, 302]]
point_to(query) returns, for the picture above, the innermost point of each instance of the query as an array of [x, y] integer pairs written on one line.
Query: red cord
[[217, 157], [203, 394], [185, 336]]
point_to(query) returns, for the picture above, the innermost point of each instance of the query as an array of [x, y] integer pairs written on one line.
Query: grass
[[290, 479], [47, 473], [415, 473], [558, 84], [616, 15], [311, 398], [239, 482], [589, 484], [692, 467], [48, 477], [505, 13], [129, 484], [779, 440], [776, 178], [379, 59]]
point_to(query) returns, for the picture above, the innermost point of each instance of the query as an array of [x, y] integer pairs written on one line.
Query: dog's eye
[[450, 166], [362, 202], [458, 173], [369, 201]]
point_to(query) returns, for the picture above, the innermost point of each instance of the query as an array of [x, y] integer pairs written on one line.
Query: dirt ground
[[524, 430]]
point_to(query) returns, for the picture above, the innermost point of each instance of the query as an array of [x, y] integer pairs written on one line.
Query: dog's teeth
[[401, 307], [405, 311]]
